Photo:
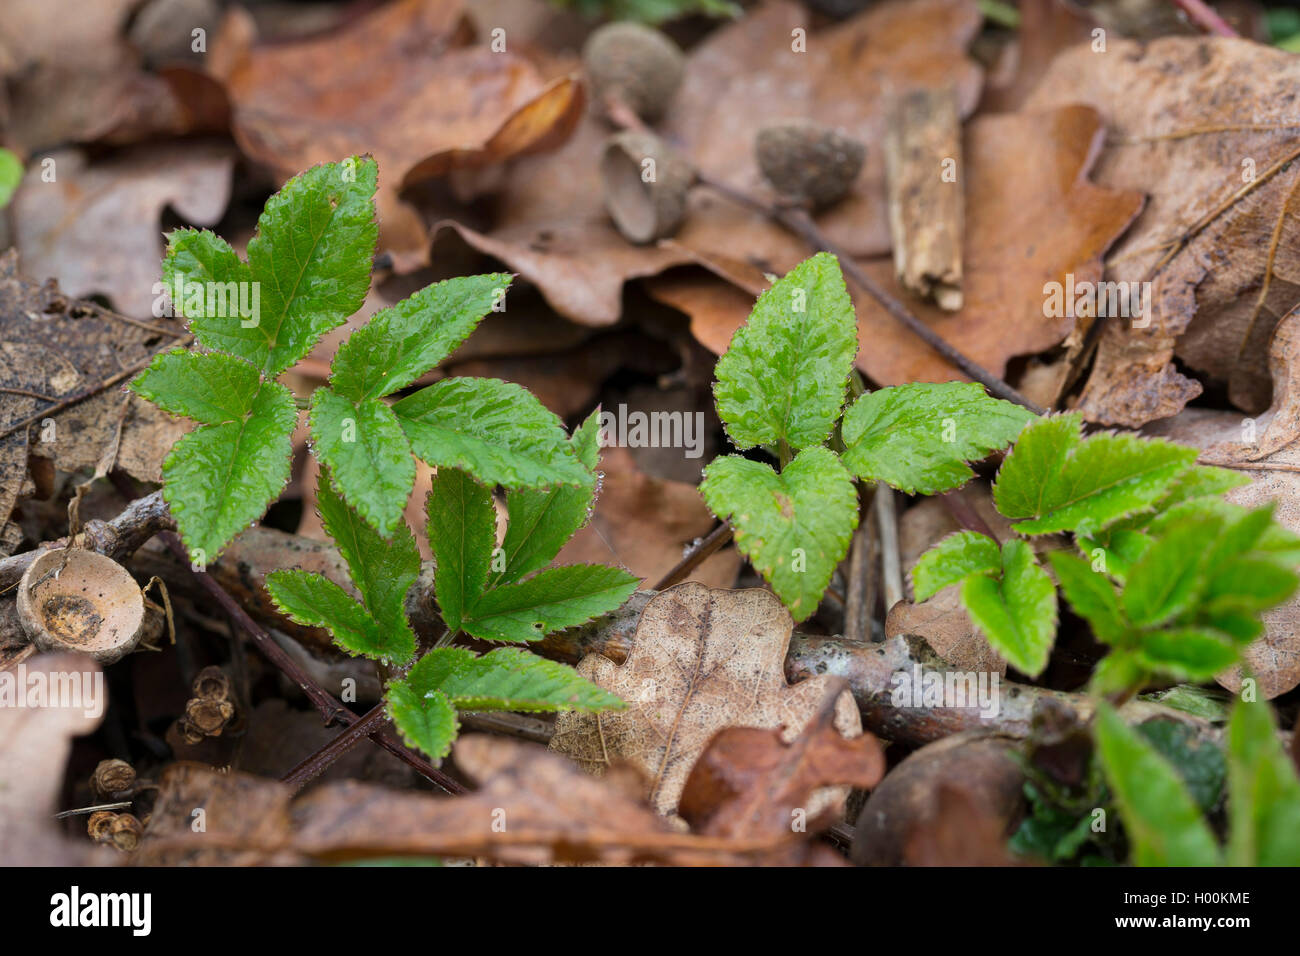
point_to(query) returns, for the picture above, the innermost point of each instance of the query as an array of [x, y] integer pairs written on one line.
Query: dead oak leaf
[[1207, 128], [703, 659], [402, 84], [96, 225]]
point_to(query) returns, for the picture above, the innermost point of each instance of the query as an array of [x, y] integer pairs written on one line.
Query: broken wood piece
[[926, 217]]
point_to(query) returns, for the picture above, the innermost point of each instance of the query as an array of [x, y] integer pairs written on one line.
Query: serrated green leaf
[[383, 570], [793, 527], [11, 175], [1186, 653], [1263, 792], [1118, 548], [1199, 762], [1091, 595], [426, 722], [402, 342], [208, 387], [952, 560], [463, 534], [219, 479], [1249, 584], [1171, 575], [1201, 481], [918, 437], [312, 257], [550, 600], [541, 520], [367, 453], [1163, 823], [1063, 483], [308, 268], [313, 599], [784, 375], [496, 430], [1016, 612], [507, 679]]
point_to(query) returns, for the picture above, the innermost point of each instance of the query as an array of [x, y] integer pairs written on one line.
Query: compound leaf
[[550, 600], [952, 560], [1016, 611], [426, 722], [313, 599], [507, 679], [463, 533]]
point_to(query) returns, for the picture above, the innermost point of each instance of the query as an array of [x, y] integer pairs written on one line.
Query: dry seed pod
[[207, 717], [112, 776], [78, 600], [212, 683], [809, 162], [634, 64], [124, 832], [646, 185], [98, 825]]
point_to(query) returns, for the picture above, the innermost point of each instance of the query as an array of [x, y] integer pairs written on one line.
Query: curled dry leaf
[[61, 226], [750, 782], [704, 659], [35, 740], [1205, 127], [401, 83], [531, 807], [911, 799]]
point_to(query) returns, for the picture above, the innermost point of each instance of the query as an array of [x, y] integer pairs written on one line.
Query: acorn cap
[[646, 185], [635, 64], [809, 162], [72, 599]]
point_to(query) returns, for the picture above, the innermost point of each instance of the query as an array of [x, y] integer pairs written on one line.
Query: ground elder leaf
[[1016, 611], [367, 453], [426, 722], [918, 437], [952, 560], [313, 599], [402, 342], [793, 527], [496, 430], [1091, 595], [784, 375], [219, 479], [209, 387], [550, 600], [463, 533], [507, 679], [1263, 791]]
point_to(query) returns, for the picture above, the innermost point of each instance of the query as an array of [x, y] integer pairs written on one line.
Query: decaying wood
[[922, 175]]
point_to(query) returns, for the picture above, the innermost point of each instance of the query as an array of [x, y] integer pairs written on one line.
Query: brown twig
[[313, 766], [69, 400], [715, 539], [1205, 18]]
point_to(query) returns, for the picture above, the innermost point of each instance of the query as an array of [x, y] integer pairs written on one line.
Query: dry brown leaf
[[553, 228], [910, 798], [35, 740], [399, 83], [531, 807], [704, 659], [751, 782], [1053, 222], [1202, 301], [96, 227], [53, 347]]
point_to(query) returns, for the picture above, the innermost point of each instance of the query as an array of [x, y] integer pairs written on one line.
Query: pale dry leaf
[[704, 659]]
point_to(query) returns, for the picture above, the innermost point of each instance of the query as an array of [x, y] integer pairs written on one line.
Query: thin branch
[[1205, 18], [715, 540], [313, 766]]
